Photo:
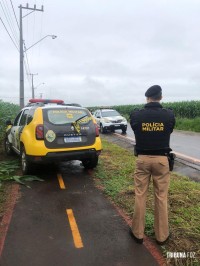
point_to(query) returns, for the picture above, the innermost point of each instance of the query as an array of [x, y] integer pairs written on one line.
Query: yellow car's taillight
[[39, 132]]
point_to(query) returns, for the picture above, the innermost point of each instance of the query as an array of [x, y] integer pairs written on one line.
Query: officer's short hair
[[154, 92], [156, 97]]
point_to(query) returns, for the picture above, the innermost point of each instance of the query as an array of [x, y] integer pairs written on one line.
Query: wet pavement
[[69, 223]]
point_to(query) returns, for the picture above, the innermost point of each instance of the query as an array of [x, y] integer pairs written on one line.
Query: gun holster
[[171, 158]]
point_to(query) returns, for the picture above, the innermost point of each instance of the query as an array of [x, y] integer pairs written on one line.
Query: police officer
[[152, 127]]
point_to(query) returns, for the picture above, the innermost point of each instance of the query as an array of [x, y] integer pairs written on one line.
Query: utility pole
[[33, 89], [21, 68]]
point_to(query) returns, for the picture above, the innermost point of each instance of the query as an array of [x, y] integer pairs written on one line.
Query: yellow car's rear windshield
[[66, 116]]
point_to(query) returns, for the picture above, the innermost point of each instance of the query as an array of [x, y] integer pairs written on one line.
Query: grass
[[9, 171], [3, 198], [188, 124], [115, 175]]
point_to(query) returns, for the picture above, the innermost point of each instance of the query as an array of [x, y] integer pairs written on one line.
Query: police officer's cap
[[153, 91]]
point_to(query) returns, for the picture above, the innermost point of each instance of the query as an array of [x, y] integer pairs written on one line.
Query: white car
[[109, 120]]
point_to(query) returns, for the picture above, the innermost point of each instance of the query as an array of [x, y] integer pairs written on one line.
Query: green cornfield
[[186, 109], [7, 112]]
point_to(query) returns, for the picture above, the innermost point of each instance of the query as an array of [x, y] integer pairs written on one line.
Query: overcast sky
[[107, 52]]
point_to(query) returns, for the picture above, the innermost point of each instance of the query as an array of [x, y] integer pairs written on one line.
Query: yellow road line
[[74, 228], [61, 182]]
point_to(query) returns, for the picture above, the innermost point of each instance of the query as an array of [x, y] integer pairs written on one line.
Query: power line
[[9, 20], [10, 15], [9, 34], [14, 13], [41, 31], [27, 69], [26, 56], [27, 66], [27, 73]]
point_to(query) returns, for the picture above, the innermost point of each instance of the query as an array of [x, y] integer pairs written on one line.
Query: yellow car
[[50, 131]]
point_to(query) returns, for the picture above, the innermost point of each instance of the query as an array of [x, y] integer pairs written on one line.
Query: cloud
[[106, 52]]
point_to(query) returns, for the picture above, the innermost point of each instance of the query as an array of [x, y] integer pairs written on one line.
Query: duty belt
[[153, 152]]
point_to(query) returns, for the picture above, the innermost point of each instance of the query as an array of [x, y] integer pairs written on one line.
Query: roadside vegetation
[[8, 111], [10, 171], [187, 113], [115, 176]]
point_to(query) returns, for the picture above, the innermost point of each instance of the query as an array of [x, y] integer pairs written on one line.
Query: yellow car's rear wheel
[[26, 166], [8, 147], [90, 163]]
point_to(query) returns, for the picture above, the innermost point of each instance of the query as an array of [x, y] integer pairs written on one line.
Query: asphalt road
[[66, 220]]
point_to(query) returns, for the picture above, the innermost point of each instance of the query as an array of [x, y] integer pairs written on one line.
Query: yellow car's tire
[[26, 166], [8, 147], [90, 163], [102, 129]]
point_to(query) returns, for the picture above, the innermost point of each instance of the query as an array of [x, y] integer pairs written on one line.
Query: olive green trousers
[[157, 168]]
